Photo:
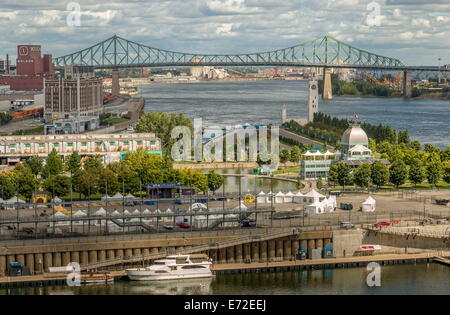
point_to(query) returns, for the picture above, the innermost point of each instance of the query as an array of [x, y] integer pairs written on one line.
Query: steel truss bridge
[[324, 52]]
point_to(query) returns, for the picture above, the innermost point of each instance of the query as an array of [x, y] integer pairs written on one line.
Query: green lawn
[[294, 169]]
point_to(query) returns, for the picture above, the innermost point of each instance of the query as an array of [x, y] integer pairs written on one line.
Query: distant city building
[[113, 147], [31, 69], [78, 72], [355, 151], [66, 98]]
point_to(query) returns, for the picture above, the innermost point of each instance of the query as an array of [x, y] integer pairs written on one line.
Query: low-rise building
[[355, 151], [112, 147]]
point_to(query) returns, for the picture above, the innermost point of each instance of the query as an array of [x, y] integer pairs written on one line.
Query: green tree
[[215, 181], [285, 155], [446, 172], [35, 163], [106, 181], [25, 181], [53, 165], [319, 183], [129, 181], [429, 148], [379, 173], [57, 185], [73, 163], [85, 183], [398, 173], [435, 170], [93, 163], [162, 124], [341, 174], [361, 176], [7, 187], [417, 171], [295, 154], [415, 145]]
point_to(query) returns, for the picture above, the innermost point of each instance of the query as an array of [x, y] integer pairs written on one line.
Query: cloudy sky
[[414, 31]]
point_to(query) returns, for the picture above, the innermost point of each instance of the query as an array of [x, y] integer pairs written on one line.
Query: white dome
[[355, 135]]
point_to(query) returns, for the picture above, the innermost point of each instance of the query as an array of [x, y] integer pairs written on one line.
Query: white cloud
[[226, 26]]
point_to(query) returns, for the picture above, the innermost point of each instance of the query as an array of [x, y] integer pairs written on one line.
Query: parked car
[[184, 225], [168, 227], [346, 225], [382, 223]]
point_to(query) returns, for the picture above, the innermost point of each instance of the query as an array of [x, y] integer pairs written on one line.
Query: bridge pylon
[[327, 86], [115, 85], [407, 91]]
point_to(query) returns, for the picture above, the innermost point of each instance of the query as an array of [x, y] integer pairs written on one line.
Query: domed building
[[355, 151], [355, 144]]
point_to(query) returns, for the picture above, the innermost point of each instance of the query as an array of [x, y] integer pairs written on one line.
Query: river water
[[259, 102], [396, 279]]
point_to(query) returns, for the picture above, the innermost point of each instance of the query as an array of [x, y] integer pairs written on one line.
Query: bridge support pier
[[407, 92], [327, 87], [115, 85]]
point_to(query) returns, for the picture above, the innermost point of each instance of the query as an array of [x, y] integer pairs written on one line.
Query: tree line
[[89, 176]]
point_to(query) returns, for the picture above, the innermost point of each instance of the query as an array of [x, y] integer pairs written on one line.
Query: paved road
[[291, 135]]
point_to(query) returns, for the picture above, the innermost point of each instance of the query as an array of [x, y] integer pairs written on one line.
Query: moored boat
[[174, 267]]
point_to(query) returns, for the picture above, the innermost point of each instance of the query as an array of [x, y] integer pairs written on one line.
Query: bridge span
[[324, 52]]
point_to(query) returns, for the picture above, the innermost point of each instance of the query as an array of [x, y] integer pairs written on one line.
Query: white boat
[[173, 268]]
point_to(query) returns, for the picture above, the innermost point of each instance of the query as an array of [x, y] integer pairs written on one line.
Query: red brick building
[[31, 69]]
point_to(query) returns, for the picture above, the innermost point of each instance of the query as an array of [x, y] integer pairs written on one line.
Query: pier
[[255, 267]]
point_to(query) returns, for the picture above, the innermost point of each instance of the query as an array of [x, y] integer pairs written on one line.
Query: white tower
[[313, 100], [283, 114]]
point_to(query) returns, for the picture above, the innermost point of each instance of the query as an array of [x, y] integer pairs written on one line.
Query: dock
[[256, 267], [442, 261], [328, 263]]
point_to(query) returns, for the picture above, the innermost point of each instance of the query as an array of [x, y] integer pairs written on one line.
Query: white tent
[[316, 208], [118, 196], [126, 212], [130, 196], [60, 215], [106, 197], [279, 197], [136, 212], [199, 206], [146, 212], [262, 197], [79, 214], [100, 213], [289, 197], [298, 197], [242, 207], [369, 205], [14, 200], [56, 200], [314, 196], [169, 211], [116, 214]]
